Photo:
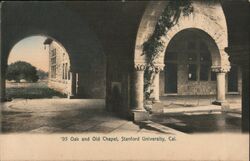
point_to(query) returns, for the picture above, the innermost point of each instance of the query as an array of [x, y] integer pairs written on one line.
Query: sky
[[31, 50]]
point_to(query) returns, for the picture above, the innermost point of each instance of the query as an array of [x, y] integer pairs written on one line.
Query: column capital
[[159, 68], [139, 67], [221, 69], [156, 68]]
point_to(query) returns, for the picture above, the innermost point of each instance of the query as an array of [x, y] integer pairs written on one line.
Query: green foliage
[[154, 45], [32, 91], [22, 70], [42, 74]]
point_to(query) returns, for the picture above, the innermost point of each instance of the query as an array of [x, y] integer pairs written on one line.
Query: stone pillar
[[240, 56], [245, 97], [156, 92], [73, 85], [221, 85], [156, 83], [3, 88], [138, 111], [138, 85], [2, 82]]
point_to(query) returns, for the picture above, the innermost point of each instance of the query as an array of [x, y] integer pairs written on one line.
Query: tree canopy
[[21, 70], [42, 74]]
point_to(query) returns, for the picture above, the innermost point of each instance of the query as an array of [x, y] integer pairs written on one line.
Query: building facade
[[59, 77]]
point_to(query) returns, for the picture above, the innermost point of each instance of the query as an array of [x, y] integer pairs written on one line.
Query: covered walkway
[[69, 116]]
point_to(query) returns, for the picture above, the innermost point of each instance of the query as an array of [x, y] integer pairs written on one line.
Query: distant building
[[59, 67]]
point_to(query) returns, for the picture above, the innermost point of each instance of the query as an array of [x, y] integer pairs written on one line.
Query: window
[[53, 71], [53, 63], [66, 71], [53, 52], [205, 63], [199, 61], [192, 72], [213, 76], [204, 72], [63, 76]]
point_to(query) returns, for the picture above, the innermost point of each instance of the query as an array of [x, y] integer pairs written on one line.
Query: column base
[[140, 115], [217, 102], [224, 104]]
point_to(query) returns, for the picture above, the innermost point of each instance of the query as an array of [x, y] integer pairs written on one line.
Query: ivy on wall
[[154, 45]]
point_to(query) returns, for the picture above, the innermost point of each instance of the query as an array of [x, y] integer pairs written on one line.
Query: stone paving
[[68, 116], [196, 114], [90, 116]]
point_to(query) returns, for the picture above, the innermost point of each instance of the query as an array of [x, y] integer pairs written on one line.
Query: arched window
[[199, 61]]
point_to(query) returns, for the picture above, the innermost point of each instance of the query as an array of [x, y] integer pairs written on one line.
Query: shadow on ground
[[200, 123]]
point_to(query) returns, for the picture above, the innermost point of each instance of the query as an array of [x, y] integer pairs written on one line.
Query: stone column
[[73, 85], [3, 88], [221, 84], [156, 83], [240, 56], [138, 111], [221, 91], [2, 82], [138, 85], [245, 96]]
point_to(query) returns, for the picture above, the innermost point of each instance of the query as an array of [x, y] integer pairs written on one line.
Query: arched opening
[[188, 60], [38, 67]]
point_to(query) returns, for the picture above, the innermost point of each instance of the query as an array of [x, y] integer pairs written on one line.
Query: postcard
[[125, 80]]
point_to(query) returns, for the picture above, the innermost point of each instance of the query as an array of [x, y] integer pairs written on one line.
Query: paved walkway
[[182, 115], [69, 116]]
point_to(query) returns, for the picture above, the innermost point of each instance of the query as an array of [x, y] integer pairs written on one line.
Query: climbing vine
[[154, 45]]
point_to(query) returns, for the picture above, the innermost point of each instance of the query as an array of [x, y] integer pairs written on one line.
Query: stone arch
[[59, 22], [208, 17], [21, 20], [146, 28], [211, 44]]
